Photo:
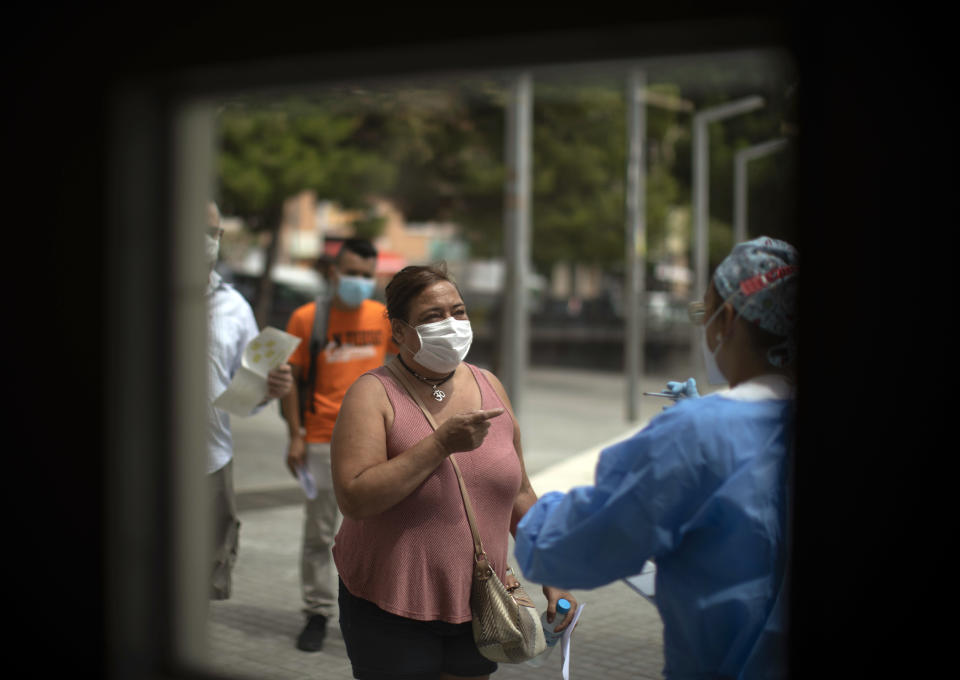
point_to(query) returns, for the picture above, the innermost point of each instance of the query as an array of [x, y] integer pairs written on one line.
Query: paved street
[[567, 416]]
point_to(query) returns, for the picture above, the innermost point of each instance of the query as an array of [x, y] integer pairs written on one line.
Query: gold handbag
[[506, 625]]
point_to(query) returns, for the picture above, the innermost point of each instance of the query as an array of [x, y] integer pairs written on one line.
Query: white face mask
[[714, 375], [443, 344], [212, 249]]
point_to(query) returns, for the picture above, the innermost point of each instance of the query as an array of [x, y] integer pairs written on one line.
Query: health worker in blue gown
[[702, 490]]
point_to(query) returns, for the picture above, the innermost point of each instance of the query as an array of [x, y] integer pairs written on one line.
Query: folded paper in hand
[[307, 482], [264, 353], [644, 582], [566, 645]]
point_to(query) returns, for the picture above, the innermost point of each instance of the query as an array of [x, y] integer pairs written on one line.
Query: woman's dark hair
[[408, 283]]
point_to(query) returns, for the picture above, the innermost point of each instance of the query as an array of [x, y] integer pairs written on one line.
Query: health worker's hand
[[683, 390], [279, 382], [553, 596], [466, 431]]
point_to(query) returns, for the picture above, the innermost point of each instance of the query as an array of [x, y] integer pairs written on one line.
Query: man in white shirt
[[231, 325]]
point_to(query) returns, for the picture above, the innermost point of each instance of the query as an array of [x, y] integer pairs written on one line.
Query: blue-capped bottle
[[563, 608]]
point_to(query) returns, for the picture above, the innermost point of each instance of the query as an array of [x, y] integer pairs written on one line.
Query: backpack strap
[[318, 340]]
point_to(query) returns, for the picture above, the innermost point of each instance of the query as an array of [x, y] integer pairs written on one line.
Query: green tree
[[446, 143], [270, 151], [436, 149], [448, 146], [709, 80]]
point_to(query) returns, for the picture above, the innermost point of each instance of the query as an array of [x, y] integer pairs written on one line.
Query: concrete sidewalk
[[568, 417]]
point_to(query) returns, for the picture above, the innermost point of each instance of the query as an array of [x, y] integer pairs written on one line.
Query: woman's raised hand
[[466, 431]]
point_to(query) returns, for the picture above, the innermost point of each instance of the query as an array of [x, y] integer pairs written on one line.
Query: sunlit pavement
[[566, 416]]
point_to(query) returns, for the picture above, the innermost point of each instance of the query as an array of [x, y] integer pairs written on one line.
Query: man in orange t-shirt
[[358, 339]]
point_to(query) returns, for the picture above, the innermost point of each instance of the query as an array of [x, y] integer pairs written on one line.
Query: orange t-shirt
[[358, 340]]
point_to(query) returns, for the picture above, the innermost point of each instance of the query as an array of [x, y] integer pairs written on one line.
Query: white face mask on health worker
[[714, 375], [443, 344]]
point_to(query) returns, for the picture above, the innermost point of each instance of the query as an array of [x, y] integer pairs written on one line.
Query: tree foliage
[[271, 151], [436, 149]]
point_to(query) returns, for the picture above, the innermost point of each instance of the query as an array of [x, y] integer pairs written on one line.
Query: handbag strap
[[405, 381]]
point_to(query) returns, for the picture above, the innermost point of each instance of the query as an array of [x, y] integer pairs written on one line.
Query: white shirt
[[230, 327]]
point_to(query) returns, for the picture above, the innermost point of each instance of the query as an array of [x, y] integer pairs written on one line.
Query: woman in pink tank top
[[404, 552]]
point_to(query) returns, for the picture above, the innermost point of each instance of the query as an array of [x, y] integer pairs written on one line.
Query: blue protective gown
[[702, 492]]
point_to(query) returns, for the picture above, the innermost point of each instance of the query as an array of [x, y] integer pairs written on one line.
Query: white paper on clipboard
[[644, 582]]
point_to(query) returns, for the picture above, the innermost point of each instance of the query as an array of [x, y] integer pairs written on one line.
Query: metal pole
[[739, 198], [741, 183], [701, 198], [515, 326], [700, 206], [634, 336]]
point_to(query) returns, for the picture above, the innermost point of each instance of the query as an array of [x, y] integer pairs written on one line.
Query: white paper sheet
[[249, 386], [643, 582], [307, 481], [565, 647]]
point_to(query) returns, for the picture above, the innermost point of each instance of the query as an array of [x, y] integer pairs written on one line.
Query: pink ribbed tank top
[[416, 558]]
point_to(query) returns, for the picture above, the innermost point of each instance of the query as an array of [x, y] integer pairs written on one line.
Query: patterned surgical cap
[[759, 278]]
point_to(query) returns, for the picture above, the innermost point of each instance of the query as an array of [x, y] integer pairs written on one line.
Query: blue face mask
[[353, 290]]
